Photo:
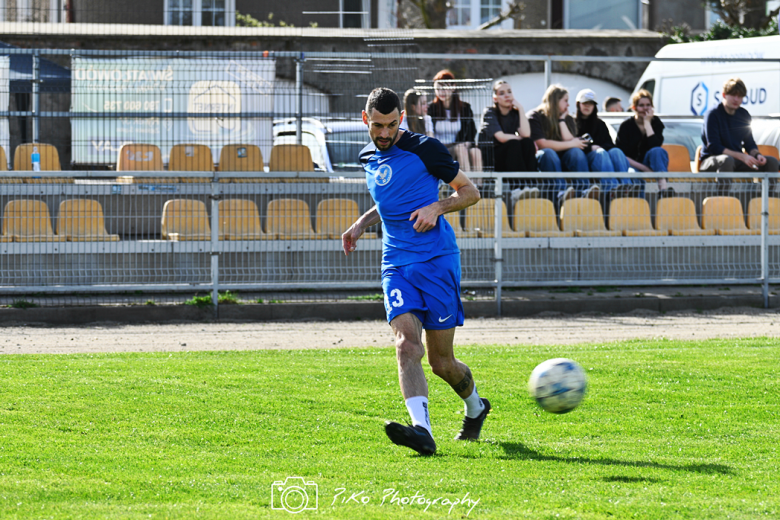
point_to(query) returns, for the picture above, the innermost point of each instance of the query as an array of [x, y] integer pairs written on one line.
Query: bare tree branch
[[514, 9]]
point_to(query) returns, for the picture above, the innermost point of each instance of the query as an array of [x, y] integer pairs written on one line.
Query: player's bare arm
[[465, 195], [350, 237]]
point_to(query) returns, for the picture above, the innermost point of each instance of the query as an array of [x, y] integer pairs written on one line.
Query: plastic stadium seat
[[4, 168], [754, 215], [191, 158], [291, 158], [632, 217], [334, 216], [537, 218], [481, 218], [767, 150], [185, 219], [679, 160], [677, 216], [289, 219], [584, 217], [240, 158], [29, 221], [139, 157], [240, 220], [81, 220], [454, 220], [50, 161], [725, 216], [697, 159]]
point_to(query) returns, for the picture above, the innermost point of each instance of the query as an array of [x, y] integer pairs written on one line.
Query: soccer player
[[420, 263]]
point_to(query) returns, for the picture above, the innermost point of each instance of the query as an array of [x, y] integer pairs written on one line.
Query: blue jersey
[[401, 180]]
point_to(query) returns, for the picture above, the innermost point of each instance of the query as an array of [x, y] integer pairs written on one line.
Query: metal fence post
[[764, 241], [36, 65], [498, 252], [299, 99], [215, 246], [547, 72]]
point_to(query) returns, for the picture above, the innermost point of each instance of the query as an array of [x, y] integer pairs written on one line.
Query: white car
[[334, 144]]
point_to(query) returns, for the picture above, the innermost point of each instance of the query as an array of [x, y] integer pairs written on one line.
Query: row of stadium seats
[[289, 219], [82, 220], [679, 160], [627, 217]]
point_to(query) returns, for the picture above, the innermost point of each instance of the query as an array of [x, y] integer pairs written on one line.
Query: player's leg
[[402, 303], [458, 375]]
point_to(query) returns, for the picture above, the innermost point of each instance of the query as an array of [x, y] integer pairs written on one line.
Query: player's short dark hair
[[383, 100], [611, 101]]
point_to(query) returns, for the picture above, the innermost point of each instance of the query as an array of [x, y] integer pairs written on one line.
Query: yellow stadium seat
[[289, 219], [537, 218], [481, 218], [191, 158], [138, 157], [334, 216], [240, 158], [50, 161], [697, 160], [767, 150], [677, 216], [453, 218], [679, 160], [632, 217], [29, 221], [725, 216], [240, 220], [584, 217], [291, 158], [185, 219], [81, 220], [4, 167], [754, 215]]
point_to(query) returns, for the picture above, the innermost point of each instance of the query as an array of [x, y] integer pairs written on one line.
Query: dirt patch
[[548, 329]]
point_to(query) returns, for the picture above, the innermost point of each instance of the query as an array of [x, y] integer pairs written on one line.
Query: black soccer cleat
[[472, 427], [414, 437]]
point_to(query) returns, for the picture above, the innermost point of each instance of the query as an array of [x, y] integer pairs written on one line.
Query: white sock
[[474, 404], [418, 411], [662, 184]]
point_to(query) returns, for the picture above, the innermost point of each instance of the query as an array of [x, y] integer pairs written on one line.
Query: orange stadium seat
[[754, 215]]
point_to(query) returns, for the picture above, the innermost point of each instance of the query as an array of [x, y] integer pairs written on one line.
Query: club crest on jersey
[[383, 175]]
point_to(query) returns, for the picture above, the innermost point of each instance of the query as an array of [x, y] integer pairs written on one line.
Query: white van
[[694, 87]]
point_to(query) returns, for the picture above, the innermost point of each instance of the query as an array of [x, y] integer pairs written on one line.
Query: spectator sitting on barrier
[[453, 123], [416, 118], [504, 137], [553, 129], [602, 154], [727, 141], [613, 104], [641, 136]]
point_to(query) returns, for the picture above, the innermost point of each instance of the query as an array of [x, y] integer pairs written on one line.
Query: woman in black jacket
[[453, 122]]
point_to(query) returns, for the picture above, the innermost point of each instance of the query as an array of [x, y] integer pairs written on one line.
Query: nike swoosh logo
[[442, 320]]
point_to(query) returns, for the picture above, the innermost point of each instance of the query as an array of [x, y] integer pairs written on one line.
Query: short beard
[[392, 141]]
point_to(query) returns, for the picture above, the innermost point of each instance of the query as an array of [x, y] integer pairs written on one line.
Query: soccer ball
[[558, 385]]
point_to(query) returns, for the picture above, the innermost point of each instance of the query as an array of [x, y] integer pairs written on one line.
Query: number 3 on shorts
[[399, 299]]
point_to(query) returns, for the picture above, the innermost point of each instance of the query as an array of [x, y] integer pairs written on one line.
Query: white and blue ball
[[558, 385]]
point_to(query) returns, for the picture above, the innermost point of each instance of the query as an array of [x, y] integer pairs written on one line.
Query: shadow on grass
[[632, 480], [518, 451]]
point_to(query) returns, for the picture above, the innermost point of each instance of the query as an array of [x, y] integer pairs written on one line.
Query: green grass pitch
[[669, 429]]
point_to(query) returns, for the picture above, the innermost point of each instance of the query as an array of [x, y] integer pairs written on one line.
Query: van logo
[[700, 99], [383, 175]]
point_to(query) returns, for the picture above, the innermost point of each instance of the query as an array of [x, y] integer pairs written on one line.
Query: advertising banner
[[167, 101]]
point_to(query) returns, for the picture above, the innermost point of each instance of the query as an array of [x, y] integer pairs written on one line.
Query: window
[[354, 14], [605, 14], [214, 13], [489, 9], [460, 13]]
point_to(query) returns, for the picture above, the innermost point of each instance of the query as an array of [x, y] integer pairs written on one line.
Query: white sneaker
[[566, 194], [591, 193], [525, 193]]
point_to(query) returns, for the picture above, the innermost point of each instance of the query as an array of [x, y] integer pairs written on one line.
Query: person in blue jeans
[[553, 130], [641, 137], [602, 154]]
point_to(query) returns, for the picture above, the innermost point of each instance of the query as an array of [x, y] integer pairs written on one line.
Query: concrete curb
[[347, 311]]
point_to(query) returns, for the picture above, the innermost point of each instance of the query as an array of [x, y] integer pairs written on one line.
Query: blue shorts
[[430, 290]]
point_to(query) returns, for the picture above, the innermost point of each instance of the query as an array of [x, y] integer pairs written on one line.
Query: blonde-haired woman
[[554, 132], [416, 116]]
